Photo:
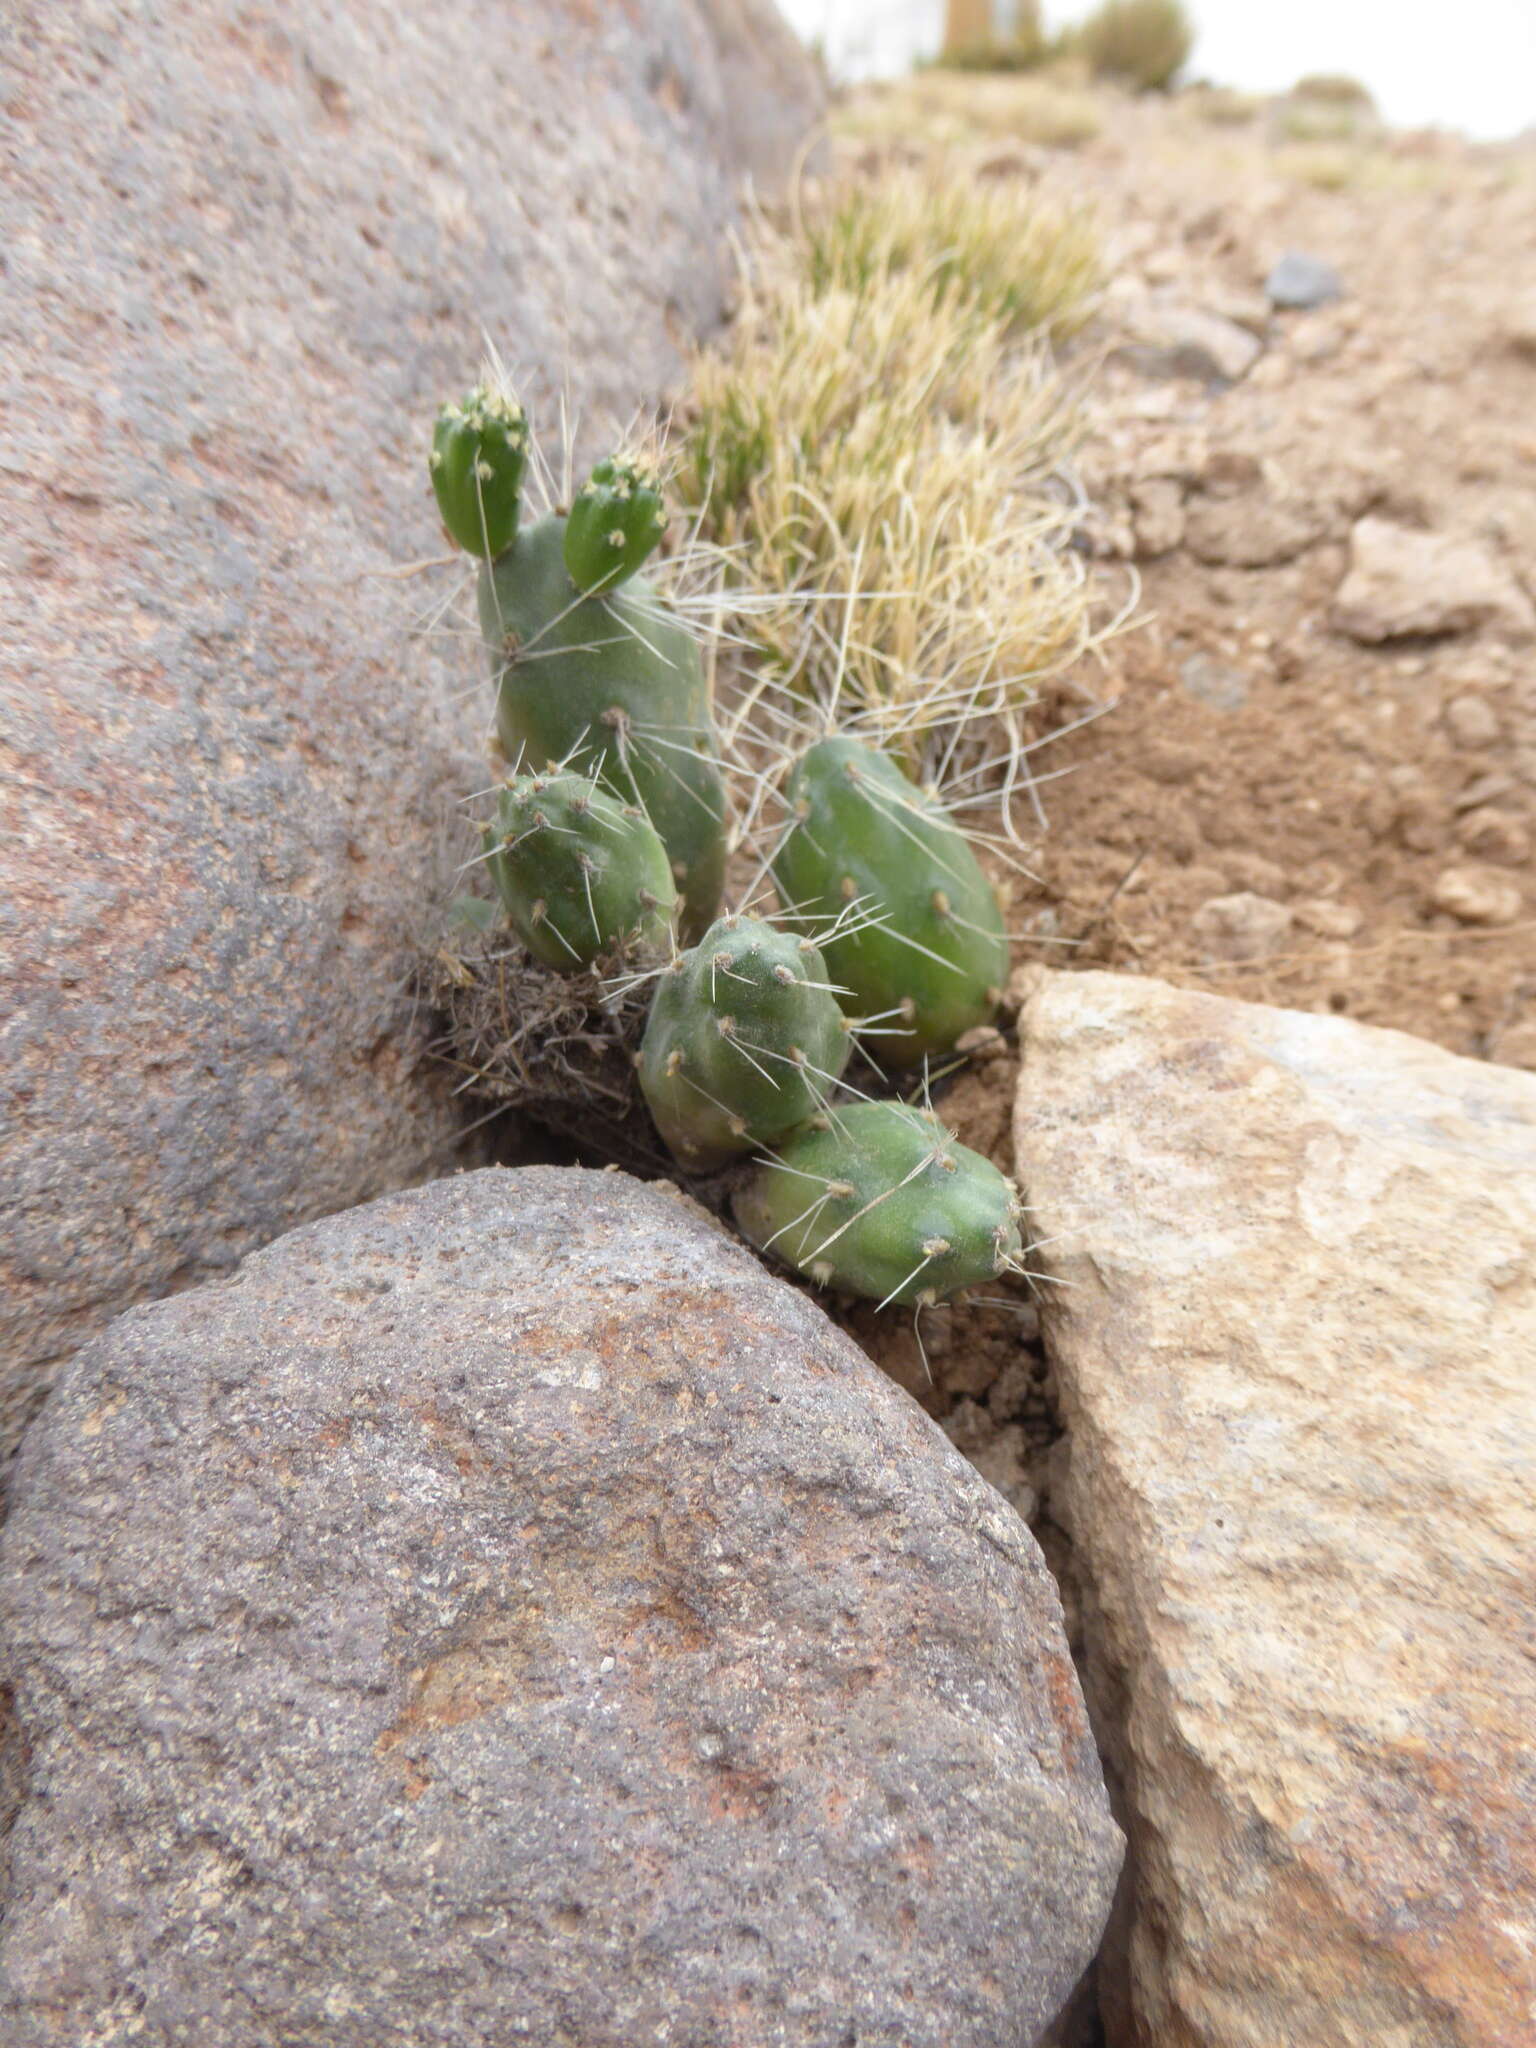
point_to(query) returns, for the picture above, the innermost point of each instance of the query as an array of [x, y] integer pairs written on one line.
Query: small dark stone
[[1299, 282]]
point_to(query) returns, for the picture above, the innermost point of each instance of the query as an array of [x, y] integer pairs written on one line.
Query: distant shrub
[[1333, 86], [1143, 42], [974, 42], [1222, 107], [1326, 107]]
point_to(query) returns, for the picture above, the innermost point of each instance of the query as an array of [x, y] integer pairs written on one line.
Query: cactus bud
[[478, 451], [616, 521]]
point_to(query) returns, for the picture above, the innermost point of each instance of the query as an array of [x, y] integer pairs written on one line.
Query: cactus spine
[[616, 521], [879, 1199], [583, 877], [479, 448], [926, 955], [743, 1042]]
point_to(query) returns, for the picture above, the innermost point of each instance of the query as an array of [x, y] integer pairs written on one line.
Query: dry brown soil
[[1253, 746]]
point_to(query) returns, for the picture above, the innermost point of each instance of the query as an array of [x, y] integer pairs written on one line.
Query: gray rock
[[1299, 282], [1221, 684], [1167, 338], [507, 1611], [246, 249]]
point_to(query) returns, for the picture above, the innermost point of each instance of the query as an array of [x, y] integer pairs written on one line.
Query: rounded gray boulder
[[506, 1611]]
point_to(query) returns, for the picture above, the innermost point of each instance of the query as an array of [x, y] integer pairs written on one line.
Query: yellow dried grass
[[879, 445]]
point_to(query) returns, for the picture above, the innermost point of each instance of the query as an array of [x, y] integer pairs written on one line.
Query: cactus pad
[[616, 675], [583, 876], [478, 451], [879, 1199], [616, 521], [743, 1042], [865, 843]]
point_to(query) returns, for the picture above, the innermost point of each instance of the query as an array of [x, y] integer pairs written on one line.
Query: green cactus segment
[[618, 679], [879, 1199], [616, 521], [478, 451], [744, 1041], [583, 876], [866, 845]]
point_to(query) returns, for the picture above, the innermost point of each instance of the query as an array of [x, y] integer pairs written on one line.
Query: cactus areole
[[923, 951], [878, 1199], [610, 682]]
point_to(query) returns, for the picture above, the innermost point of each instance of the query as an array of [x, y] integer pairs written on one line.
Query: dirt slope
[[1382, 794]]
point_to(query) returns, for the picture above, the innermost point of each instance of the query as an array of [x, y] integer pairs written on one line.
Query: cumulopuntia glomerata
[[479, 448], [618, 677], [909, 923], [615, 521], [878, 1199], [744, 1041], [583, 876]]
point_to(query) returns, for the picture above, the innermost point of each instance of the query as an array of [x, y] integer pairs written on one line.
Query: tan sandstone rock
[[1298, 1366]]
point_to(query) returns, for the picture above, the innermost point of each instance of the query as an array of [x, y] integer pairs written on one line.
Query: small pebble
[[1241, 927], [1328, 920], [1471, 722], [1214, 682], [1477, 896], [1299, 282], [1496, 836]]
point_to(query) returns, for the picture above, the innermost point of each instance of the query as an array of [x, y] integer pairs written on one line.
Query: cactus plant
[[583, 876], [479, 448], [879, 1199], [929, 956], [620, 675], [615, 522], [743, 1041]]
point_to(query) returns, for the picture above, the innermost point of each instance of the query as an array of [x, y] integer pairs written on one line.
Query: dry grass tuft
[[1143, 42], [557, 1049], [939, 110], [880, 446], [986, 250]]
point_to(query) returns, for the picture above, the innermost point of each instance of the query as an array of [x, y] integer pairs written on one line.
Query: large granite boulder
[[245, 250], [1298, 1364], [507, 1611]]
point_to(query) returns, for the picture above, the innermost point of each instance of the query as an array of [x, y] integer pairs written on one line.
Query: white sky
[[1469, 64]]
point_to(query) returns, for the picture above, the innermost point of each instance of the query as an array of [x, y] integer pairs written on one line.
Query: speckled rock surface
[[246, 248], [506, 1611], [1298, 1369]]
